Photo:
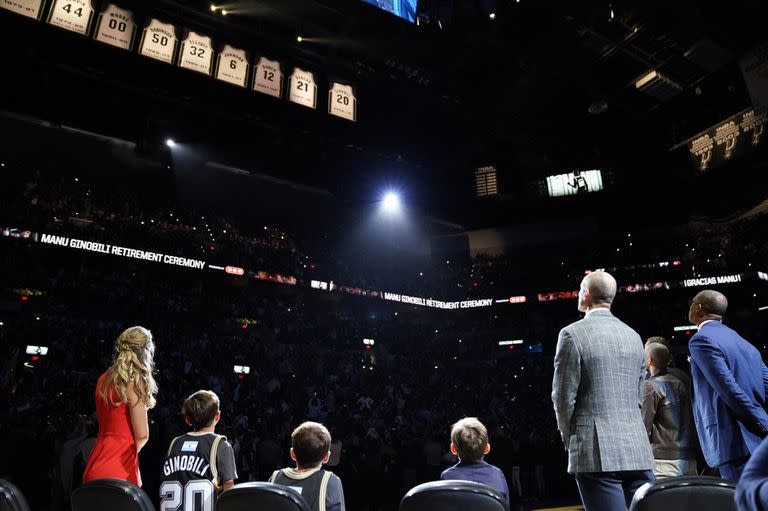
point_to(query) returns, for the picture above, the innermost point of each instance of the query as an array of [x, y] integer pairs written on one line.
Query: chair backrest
[[453, 496], [251, 496], [11, 498], [111, 495], [687, 493]]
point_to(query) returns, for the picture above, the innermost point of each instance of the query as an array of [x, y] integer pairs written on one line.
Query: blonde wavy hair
[[132, 364]]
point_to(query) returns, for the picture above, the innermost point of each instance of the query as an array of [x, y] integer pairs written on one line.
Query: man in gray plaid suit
[[597, 392]]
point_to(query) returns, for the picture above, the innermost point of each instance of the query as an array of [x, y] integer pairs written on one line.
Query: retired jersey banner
[[268, 77], [303, 89], [158, 41], [29, 8], [737, 136], [116, 27], [342, 102], [196, 53], [232, 66], [74, 15]]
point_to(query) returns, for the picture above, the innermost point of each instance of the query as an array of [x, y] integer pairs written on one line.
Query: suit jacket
[[729, 381], [597, 392], [668, 417], [752, 490]]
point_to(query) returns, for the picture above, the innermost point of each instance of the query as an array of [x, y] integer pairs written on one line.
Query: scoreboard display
[[575, 183]]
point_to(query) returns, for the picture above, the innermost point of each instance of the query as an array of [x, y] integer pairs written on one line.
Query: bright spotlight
[[170, 142], [492, 15], [213, 7], [391, 202], [299, 39], [224, 12]]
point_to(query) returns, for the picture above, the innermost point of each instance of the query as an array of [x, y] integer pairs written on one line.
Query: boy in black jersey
[[310, 449], [201, 463]]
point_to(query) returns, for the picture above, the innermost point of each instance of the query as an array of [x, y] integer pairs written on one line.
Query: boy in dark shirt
[[469, 442], [310, 449], [201, 463]]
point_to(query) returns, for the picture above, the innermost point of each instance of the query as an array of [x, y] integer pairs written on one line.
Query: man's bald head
[[708, 304], [602, 288], [712, 302], [658, 355]]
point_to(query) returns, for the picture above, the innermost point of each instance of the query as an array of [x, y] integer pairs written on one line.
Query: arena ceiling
[[544, 88]]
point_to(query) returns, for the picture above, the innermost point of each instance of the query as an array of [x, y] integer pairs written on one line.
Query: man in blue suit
[[729, 382], [752, 490]]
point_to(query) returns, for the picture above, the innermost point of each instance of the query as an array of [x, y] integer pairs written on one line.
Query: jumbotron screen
[[575, 183], [405, 9]]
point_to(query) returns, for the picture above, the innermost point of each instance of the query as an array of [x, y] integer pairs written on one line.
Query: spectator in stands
[[671, 369], [729, 390], [310, 449], [124, 393], [469, 442], [752, 489], [668, 417]]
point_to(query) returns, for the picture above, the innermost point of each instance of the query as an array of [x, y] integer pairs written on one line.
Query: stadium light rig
[[391, 202]]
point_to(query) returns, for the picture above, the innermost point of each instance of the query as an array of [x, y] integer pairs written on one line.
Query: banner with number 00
[[115, 26]]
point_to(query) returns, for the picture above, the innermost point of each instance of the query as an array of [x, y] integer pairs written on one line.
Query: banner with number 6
[[232, 66]]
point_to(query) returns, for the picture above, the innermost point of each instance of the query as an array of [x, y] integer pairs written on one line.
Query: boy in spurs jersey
[[199, 464], [310, 449]]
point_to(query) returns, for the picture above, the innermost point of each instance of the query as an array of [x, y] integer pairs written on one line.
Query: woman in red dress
[[124, 393]]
